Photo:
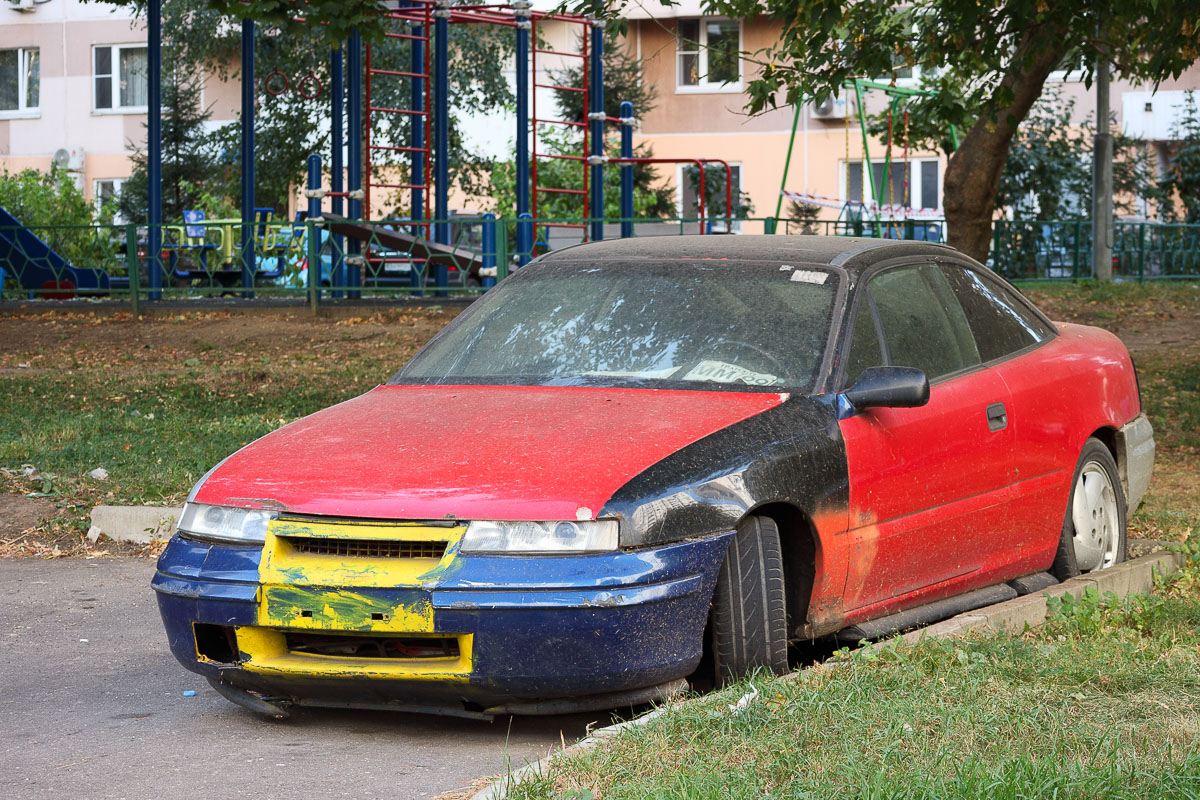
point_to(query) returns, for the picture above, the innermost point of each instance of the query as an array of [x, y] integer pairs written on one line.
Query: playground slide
[[416, 246], [24, 255]]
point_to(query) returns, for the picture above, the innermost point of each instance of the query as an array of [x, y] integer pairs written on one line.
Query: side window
[[923, 324], [864, 344], [1000, 323]]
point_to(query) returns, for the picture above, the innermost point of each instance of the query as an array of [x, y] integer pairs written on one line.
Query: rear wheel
[[749, 611], [1093, 534]]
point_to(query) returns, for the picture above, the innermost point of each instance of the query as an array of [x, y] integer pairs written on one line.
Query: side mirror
[[889, 387]]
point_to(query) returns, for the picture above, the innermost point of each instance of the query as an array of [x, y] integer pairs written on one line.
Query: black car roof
[[849, 252]]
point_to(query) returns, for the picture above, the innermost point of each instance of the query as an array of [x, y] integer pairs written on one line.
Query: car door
[[928, 485], [1008, 332]]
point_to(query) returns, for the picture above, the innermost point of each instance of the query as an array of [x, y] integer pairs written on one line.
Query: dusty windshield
[[686, 324]]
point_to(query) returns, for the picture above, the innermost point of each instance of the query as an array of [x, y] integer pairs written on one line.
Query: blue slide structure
[[30, 260]]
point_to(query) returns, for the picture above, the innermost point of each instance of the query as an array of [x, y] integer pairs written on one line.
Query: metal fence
[[1063, 250], [320, 260]]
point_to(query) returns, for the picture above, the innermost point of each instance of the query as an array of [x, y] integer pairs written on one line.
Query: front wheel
[[749, 612], [1093, 534]]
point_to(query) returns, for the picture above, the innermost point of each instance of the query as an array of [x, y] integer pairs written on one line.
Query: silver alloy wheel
[[1097, 531]]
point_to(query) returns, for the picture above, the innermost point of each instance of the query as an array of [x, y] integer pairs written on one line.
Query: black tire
[[749, 609], [1095, 456]]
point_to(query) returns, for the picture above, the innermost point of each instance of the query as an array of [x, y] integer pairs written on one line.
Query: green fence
[[399, 258], [1063, 250]]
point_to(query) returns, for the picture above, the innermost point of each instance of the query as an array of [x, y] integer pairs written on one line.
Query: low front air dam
[[534, 628]]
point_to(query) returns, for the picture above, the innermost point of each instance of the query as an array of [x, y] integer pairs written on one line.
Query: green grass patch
[[155, 434], [1102, 702]]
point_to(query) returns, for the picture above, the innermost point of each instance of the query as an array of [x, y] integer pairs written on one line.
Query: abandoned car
[[635, 454]]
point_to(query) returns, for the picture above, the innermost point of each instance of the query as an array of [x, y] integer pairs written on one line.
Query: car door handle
[[997, 417]]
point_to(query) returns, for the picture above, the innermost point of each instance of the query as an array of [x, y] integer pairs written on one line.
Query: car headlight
[[226, 523], [593, 536]]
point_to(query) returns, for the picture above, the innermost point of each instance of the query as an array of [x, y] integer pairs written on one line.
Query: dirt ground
[[52, 340]]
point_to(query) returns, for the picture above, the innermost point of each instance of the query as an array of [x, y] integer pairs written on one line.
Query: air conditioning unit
[[830, 108], [70, 158]]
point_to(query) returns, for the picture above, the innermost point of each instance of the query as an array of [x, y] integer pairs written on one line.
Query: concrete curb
[[1132, 577], [140, 524]]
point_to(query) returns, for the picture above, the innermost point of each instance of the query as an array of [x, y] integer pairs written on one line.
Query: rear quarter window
[[999, 321]]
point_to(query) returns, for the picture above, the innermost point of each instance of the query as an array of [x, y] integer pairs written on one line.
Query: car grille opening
[[354, 646], [367, 548]]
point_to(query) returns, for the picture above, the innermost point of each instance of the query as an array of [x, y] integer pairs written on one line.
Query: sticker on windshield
[[635, 373], [720, 372], [810, 276]]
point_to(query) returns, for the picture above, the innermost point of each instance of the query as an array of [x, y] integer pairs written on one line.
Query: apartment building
[[701, 103], [73, 89]]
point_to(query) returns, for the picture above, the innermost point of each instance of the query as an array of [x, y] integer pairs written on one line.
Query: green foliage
[[188, 159], [805, 213], [622, 82], [38, 198], [52, 204], [1183, 179]]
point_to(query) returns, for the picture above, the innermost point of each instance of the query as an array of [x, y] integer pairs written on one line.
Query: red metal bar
[[699, 162], [561, 157], [552, 190], [559, 88], [390, 35], [396, 110], [559, 122], [398, 73], [399, 148], [559, 53]]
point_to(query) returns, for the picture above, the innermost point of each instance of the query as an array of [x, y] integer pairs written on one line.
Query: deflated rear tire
[[749, 612], [1093, 534]]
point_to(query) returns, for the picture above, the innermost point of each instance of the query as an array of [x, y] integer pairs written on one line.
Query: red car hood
[[474, 452]]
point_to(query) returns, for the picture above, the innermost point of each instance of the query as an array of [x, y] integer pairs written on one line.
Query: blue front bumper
[[542, 628]]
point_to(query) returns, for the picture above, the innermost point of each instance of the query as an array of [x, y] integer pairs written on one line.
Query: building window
[[709, 54], [915, 184], [119, 76], [20, 80], [107, 191]]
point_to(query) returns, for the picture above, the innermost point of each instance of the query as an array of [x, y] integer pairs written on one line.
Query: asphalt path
[[92, 705]]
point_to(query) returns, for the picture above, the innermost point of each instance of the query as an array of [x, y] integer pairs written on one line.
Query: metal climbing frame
[[418, 21], [585, 125]]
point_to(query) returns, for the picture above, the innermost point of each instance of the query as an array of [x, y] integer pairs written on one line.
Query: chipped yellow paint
[[282, 564], [265, 651], [359, 594]]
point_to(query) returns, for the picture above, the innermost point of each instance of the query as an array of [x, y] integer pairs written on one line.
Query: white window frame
[[115, 80], [915, 184], [680, 178], [706, 87], [23, 109], [118, 187]]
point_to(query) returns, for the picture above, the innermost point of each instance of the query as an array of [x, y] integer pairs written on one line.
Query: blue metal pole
[[441, 136], [626, 170], [154, 149], [354, 130], [314, 211], [337, 167], [489, 249], [521, 13], [248, 259], [524, 238], [596, 118]]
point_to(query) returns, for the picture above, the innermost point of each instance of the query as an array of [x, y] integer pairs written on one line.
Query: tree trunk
[[973, 174]]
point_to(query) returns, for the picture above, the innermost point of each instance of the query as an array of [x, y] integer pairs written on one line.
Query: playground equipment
[[38, 267], [424, 24], [896, 214]]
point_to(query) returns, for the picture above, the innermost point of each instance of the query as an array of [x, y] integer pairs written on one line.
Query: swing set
[[888, 216]]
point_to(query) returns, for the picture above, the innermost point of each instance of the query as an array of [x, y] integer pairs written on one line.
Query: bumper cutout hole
[[216, 642], [354, 646]]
